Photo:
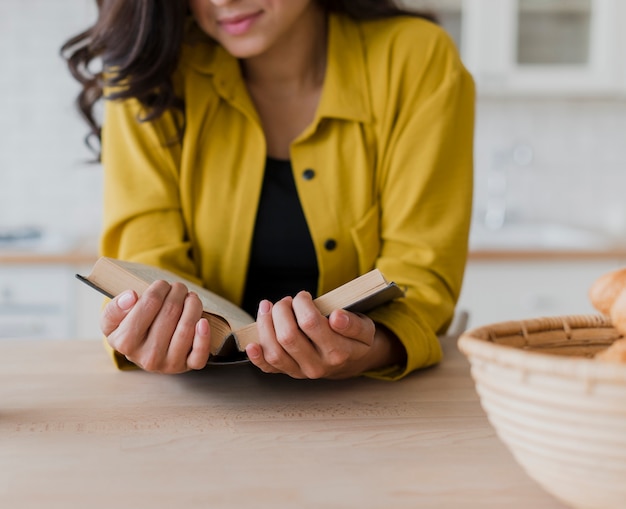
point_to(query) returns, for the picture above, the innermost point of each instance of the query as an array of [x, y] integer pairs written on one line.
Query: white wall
[[44, 177]]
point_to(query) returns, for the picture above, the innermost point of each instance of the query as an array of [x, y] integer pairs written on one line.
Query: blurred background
[[550, 175]]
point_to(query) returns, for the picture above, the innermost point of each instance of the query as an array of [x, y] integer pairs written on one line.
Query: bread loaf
[[617, 311], [605, 290], [615, 353], [608, 295]]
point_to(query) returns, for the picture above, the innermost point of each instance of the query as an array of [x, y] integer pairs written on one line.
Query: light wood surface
[[83, 256], [73, 257], [76, 433], [523, 255]]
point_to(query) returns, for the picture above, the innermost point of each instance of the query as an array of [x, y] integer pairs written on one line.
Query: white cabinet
[[34, 302], [501, 290], [539, 47], [46, 301], [87, 306], [545, 46]]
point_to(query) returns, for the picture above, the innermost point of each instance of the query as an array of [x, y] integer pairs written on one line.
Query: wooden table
[[76, 433]]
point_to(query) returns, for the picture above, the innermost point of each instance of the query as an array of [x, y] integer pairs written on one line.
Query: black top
[[282, 257]]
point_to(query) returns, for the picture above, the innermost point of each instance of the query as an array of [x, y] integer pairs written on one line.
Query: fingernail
[[126, 300], [253, 351], [341, 320], [264, 307], [202, 327]]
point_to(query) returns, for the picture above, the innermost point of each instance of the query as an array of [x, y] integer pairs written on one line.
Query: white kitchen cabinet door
[[545, 47], [87, 309], [35, 302], [497, 291], [46, 301]]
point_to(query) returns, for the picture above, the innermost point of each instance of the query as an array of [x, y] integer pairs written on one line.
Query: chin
[[244, 48]]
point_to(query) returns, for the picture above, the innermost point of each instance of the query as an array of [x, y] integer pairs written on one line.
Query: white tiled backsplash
[[546, 160], [562, 161]]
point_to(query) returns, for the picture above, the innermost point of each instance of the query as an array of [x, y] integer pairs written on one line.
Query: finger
[[254, 352], [308, 318], [296, 322], [190, 333], [201, 347], [132, 331], [265, 326], [184, 333], [297, 343], [274, 357], [116, 310], [333, 350], [156, 354], [353, 325]]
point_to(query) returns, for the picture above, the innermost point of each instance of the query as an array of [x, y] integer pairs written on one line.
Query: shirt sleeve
[[426, 200], [143, 216], [143, 213]]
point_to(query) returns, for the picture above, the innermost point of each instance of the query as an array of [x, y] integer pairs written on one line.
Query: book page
[[211, 302]]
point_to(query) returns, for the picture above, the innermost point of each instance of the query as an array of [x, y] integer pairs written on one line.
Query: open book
[[232, 329]]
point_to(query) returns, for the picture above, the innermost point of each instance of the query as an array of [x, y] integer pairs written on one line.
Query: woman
[[272, 150]]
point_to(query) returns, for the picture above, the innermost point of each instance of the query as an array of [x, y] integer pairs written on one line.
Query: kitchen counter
[[82, 256], [77, 254], [72, 257], [547, 254], [77, 433], [46, 248]]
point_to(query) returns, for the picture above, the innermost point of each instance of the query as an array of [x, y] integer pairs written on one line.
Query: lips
[[238, 24]]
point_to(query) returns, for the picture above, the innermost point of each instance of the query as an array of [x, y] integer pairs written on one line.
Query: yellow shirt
[[390, 148]]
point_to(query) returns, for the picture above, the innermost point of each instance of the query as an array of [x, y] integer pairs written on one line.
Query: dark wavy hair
[[141, 40]]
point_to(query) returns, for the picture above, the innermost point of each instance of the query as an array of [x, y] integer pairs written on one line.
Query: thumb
[[115, 311], [352, 325]]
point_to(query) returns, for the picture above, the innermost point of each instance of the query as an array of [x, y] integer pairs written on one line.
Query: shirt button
[[308, 174], [330, 244]]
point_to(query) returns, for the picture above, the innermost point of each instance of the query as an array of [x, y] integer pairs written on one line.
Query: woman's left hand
[[296, 339]]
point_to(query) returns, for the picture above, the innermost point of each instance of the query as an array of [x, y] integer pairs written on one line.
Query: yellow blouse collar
[[345, 94]]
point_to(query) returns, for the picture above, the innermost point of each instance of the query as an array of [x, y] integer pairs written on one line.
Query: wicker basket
[[561, 413]]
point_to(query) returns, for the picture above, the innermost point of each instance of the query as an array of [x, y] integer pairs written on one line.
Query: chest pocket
[[366, 238]]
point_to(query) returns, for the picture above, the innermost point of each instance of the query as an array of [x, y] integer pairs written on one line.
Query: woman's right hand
[[163, 331]]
